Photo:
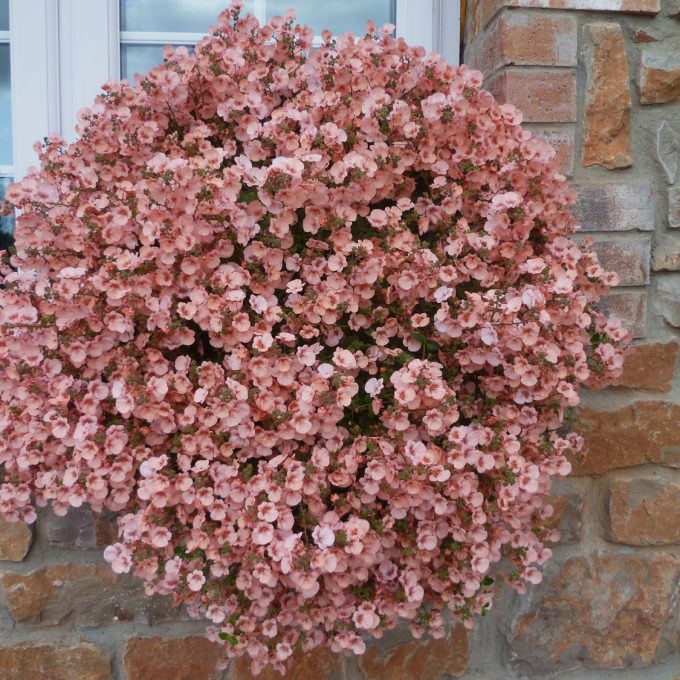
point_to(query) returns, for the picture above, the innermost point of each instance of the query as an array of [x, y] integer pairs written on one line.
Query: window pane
[[339, 16], [5, 108], [187, 16], [4, 15], [140, 58], [6, 223]]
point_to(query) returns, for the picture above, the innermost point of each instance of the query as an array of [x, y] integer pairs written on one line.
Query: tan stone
[[649, 367], [667, 300], [640, 35], [674, 207], [419, 660], [667, 254], [658, 79], [50, 662], [603, 611], [86, 594], [644, 511], [319, 664], [644, 432], [15, 540], [608, 107], [155, 658], [566, 498], [631, 307]]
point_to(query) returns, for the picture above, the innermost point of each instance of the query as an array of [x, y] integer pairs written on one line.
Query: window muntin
[[6, 143], [5, 106]]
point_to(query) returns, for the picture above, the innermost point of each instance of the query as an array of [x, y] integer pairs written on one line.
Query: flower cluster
[[311, 321]]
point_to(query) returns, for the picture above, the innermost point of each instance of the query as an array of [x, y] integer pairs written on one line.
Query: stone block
[[615, 207], [15, 540], [629, 259], [658, 80], [606, 611], [52, 662], [419, 659], [607, 123], [644, 510], [643, 432], [649, 367], [543, 96], [188, 658]]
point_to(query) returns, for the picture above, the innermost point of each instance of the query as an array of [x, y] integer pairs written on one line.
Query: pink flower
[[443, 293], [344, 359], [119, 557], [374, 386], [323, 536], [195, 580], [289, 166], [263, 533]]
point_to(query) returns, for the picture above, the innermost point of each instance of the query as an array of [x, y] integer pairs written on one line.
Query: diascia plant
[[311, 321]]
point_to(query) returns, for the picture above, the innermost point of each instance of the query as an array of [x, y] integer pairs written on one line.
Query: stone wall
[[601, 80]]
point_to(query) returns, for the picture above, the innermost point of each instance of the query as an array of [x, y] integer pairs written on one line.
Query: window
[[148, 25], [6, 151], [62, 51]]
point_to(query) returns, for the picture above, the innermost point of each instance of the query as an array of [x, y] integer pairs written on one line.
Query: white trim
[[434, 24], [260, 10], [34, 90], [415, 22], [88, 55], [159, 38], [4, 36], [447, 26]]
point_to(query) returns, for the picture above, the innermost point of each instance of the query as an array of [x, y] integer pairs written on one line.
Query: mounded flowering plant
[[311, 321]]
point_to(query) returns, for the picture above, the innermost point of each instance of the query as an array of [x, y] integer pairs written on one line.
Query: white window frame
[[62, 51], [7, 171]]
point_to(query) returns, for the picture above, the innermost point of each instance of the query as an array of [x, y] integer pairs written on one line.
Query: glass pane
[[339, 16], [6, 223], [140, 58], [186, 16], [4, 15], [5, 108]]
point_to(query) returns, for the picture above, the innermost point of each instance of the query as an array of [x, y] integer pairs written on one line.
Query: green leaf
[[231, 639], [487, 581]]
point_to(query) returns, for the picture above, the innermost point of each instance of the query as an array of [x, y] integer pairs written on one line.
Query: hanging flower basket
[[311, 321]]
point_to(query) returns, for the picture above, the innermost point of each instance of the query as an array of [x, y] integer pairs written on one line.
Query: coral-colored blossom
[[310, 320]]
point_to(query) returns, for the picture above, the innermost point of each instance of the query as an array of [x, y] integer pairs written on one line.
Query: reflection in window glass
[[187, 16], [5, 108], [139, 59], [339, 16], [196, 16], [6, 223], [4, 15]]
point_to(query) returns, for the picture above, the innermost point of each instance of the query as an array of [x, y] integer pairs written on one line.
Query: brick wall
[[601, 80]]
